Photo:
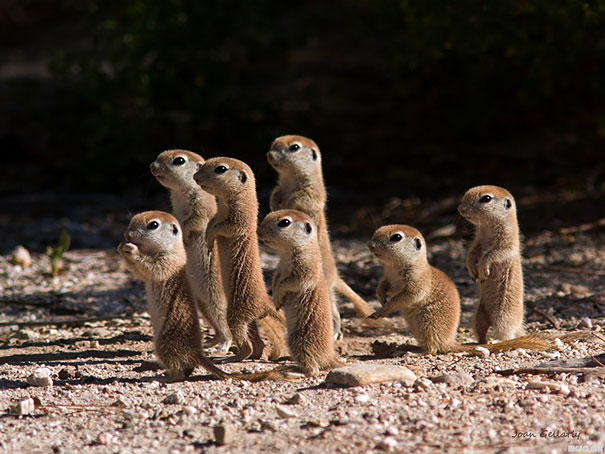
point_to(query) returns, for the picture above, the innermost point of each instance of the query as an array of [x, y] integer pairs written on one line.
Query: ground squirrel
[[494, 261], [427, 297], [299, 286], [301, 187], [194, 208], [234, 228], [155, 253]]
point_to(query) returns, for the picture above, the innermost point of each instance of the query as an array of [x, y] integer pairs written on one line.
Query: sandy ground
[[106, 398]]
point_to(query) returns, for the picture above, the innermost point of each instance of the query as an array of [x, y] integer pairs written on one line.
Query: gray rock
[[295, 399], [68, 373], [24, 407], [174, 398], [423, 383], [365, 374], [40, 377], [105, 438], [462, 379], [268, 426], [558, 387], [26, 334], [224, 434], [285, 412]]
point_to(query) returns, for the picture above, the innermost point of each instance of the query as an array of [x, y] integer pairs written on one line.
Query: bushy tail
[[536, 341], [277, 374]]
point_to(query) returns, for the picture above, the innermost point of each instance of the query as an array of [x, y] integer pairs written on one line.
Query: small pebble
[[455, 379], [585, 323], [67, 373], [24, 407], [27, 334], [21, 257], [174, 398], [423, 384], [560, 388], [268, 426], [98, 332], [189, 410], [482, 351], [105, 438], [387, 444], [40, 377], [224, 434], [285, 412], [362, 398], [94, 344], [295, 399]]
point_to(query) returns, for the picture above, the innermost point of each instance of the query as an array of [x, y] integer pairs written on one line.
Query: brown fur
[[234, 229], [427, 297], [494, 261], [299, 287], [158, 258], [194, 208], [301, 187]]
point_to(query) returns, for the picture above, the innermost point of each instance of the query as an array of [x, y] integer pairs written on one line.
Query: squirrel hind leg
[[481, 323]]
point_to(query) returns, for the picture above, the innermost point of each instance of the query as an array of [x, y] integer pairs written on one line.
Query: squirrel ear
[[507, 204], [314, 153], [308, 228], [418, 243], [243, 177], [175, 229]]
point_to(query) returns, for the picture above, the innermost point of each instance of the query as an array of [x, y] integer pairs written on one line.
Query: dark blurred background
[[409, 101]]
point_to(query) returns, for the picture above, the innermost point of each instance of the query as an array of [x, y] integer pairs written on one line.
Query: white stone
[[24, 407], [21, 257], [482, 351], [105, 438], [40, 377], [364, 374], [362, 398], [285, 412]]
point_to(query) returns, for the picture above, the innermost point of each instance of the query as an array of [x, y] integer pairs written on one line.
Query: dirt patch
[[107, 398]]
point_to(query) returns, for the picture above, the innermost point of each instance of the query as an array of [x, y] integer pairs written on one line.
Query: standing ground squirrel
[[299, 286], [301, 187], [155, 253], [234, 228], [427, 297], [194, 208], [494, 261]]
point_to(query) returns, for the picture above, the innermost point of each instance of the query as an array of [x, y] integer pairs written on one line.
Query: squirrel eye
[[284, 223], [178, 161], [486, 198], [220, 169], [396, 237], [294, 147], [153, 225]]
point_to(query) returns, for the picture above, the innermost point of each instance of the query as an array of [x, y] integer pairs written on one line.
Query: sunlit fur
[[194, 208], [234, 229], [299, 286], [301, 187], [494, 261]]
